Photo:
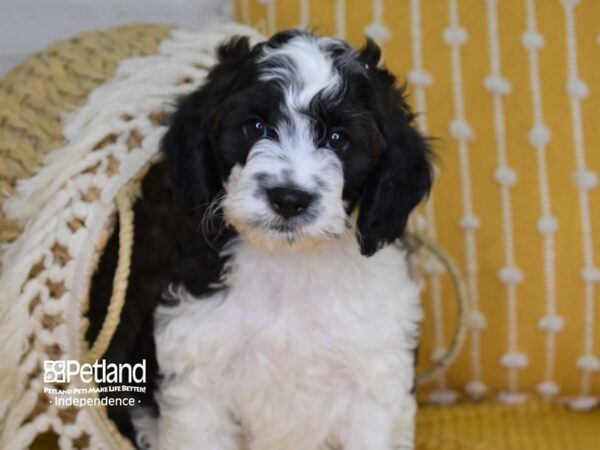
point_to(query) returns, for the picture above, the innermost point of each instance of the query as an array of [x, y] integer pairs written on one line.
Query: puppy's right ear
[[195, 174]]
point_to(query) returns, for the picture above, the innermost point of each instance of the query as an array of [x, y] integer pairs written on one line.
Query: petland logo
[[62, 371], [109, 384]]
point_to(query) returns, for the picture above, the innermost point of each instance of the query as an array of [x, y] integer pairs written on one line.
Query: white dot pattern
[[584, 179], [455, 36], [420, 79]]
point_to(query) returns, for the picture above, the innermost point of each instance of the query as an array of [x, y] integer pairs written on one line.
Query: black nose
[[289, 202]]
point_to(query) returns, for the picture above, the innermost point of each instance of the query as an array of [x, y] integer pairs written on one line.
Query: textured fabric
[[36, 93], [531, 426], [511, 92]]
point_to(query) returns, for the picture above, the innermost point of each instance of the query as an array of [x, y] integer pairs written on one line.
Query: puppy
[[291, 319]]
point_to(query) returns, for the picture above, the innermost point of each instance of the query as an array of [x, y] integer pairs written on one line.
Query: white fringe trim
[[46, 202]]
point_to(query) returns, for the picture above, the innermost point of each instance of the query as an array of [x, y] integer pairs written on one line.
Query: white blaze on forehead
[[304, 67]]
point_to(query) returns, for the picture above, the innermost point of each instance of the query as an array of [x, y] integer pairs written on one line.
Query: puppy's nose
[[289, 202]]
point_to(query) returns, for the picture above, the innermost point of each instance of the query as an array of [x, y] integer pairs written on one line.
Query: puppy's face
[[288, 137]]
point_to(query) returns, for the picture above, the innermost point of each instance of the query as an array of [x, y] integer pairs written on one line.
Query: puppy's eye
[[255, 129], [337, 140]]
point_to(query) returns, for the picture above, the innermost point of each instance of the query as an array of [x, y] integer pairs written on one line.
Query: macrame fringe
[[116, 127]]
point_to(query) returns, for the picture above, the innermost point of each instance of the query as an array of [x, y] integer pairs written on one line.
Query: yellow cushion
[[532, 426], [472, 60]]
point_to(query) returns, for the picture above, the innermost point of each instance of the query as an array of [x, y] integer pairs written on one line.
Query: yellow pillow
[[511, 91]]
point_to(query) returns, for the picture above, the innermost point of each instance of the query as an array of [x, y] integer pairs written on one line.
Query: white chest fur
[[292, 344]]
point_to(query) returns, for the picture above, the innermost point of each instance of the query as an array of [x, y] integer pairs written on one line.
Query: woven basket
[[87, 168], [35, 95]]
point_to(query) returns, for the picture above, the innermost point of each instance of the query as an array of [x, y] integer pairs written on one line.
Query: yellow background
[[526, 207]]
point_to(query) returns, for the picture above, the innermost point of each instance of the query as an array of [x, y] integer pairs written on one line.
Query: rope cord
[[440, 365], [125, 199]]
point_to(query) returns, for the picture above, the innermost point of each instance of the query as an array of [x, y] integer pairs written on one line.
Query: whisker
[[211, 219]]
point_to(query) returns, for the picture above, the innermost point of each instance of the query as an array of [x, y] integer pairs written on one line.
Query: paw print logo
[[55, 372]]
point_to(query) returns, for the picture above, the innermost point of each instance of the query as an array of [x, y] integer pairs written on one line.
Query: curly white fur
[[303, 350]]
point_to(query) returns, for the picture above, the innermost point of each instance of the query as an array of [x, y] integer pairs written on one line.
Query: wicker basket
[[35, 95]]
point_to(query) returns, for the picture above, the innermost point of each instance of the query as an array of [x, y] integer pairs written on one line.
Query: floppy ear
[[403, 175], [195, 175]]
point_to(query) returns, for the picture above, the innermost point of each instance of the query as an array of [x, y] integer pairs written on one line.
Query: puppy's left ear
[[402, 176], [195, 174]]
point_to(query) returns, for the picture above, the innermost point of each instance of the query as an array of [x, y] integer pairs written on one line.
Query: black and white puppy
[[291, 319]]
